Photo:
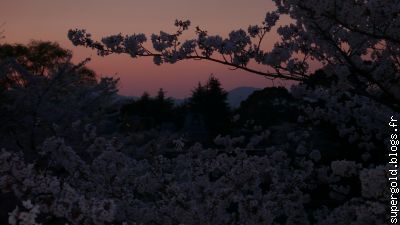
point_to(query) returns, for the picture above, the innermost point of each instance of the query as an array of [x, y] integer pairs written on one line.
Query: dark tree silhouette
[[270, 106], [147, 112], [39, 57], [40, 86], [210, 101]]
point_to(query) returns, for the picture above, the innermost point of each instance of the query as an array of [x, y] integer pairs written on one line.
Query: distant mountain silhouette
[[123, 99], [237, 95]]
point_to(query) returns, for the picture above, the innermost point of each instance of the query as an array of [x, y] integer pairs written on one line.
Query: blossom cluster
[[149, 183], [356, 118]]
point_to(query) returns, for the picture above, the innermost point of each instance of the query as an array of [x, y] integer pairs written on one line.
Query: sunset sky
[[49, 20]]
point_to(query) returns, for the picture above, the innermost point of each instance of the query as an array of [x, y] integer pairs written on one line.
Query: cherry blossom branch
[[238, 47]]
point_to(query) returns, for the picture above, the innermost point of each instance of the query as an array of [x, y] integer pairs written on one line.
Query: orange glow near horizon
[[50, 20]]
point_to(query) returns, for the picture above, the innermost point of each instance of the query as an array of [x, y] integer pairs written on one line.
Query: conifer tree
[[210, 101]]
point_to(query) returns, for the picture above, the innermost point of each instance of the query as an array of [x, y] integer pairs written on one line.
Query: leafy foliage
[[39, 58], [42, 98]]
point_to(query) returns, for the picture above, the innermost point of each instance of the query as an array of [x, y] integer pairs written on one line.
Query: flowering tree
[[357, 44], [291, 173], [114, 181], [356, 40]]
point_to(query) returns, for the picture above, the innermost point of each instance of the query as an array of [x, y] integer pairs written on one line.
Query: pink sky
[[49, 20]]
